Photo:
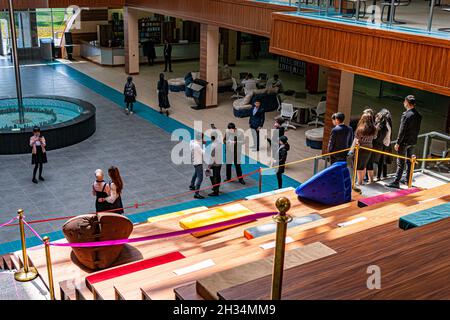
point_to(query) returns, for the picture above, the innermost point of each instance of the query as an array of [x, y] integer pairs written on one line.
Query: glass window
[[52, 23]]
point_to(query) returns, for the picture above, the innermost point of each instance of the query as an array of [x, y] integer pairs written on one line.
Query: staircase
[[228, 249], [13, 290]]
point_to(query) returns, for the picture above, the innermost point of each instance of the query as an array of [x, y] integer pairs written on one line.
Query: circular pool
[[63, 121]]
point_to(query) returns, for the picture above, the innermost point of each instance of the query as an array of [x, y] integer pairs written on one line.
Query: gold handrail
[[306, 159]]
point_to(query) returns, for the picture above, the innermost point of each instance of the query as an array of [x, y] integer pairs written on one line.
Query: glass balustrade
[[430, 17]]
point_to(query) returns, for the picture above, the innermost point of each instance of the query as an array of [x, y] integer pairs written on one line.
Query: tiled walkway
[[139, 145]]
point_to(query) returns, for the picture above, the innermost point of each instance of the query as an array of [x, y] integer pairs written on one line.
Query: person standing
[[167, 56], [406, 139], [341, 137], [233, 141], [100, 189], [163, 94], [256, 122], [215, 164], [197, 153], [383, 123], [130, 94], [282, 158], [149, 51], [113, 202], [364, 135], [38, 153]]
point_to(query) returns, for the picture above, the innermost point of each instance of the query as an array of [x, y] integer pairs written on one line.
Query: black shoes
[[34, 180], [198, 196], [241, 181], [213, 194], [191, 188], [41, 178], [393, 185]]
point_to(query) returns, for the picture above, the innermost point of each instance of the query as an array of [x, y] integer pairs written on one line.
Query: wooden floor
[[413, 264], [229, 248]]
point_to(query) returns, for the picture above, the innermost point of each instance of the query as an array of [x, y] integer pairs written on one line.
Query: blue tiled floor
[[167, 125]]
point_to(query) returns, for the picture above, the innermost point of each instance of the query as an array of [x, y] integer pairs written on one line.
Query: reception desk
[[116, 56]]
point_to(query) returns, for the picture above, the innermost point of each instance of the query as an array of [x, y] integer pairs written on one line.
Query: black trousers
[[238, 168], [40, 165], [280, 179], [216, 178], [255, 133], [167, 62], [130, 106], [406, 151]]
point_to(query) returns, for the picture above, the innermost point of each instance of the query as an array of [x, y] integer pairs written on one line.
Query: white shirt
[[197, 152]]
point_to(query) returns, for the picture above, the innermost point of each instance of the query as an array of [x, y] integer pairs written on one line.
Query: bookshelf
[[150, 29]]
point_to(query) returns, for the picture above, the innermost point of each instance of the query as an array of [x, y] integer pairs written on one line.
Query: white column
[[209, 61], [346, 94], [131, 35]]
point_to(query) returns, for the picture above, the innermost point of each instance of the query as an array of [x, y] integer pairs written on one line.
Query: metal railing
[[334, 8]]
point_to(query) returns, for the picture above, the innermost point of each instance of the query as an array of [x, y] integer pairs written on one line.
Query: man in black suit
[[406, 139], [256, 122], [233, 141], [341, 137], [167, 55]]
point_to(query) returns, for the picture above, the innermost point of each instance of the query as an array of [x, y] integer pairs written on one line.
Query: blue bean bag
[[331, 186]]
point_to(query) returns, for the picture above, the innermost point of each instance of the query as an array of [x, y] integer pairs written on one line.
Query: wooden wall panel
[[240, 15], [416, 61], [94, 15], [333, 87], [25, 4]]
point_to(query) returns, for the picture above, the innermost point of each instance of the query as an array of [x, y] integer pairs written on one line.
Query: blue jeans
[[197, 178]]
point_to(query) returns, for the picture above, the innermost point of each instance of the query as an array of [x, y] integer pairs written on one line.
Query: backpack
[[129, 89]]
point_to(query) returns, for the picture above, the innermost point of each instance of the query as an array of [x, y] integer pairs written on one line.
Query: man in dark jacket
[[167, 56], [341, 137], [256, 122], [406, 139]]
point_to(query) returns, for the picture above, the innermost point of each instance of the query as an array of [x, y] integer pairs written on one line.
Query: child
[[130, 95], [282, 157]]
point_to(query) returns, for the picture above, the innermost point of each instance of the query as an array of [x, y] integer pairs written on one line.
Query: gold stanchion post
[[260, 180], [26, 273], [411, 173], [282, 219], [355, 168], [49, 267]]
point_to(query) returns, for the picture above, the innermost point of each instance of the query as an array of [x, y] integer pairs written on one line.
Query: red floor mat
[[134, 267]]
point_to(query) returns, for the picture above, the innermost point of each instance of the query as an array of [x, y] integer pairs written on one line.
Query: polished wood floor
[[229, 248]]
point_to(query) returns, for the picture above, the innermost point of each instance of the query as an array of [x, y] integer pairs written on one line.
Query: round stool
[[314, 138]]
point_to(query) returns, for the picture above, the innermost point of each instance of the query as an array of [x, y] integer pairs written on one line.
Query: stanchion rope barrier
[[241, 220], [9, 222], [137, 205]]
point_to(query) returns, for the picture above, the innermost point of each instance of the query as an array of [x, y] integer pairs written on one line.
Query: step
[[16, 262], [5, 262], [364, 202], [82, 292], [68, 290], [186, 292]]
